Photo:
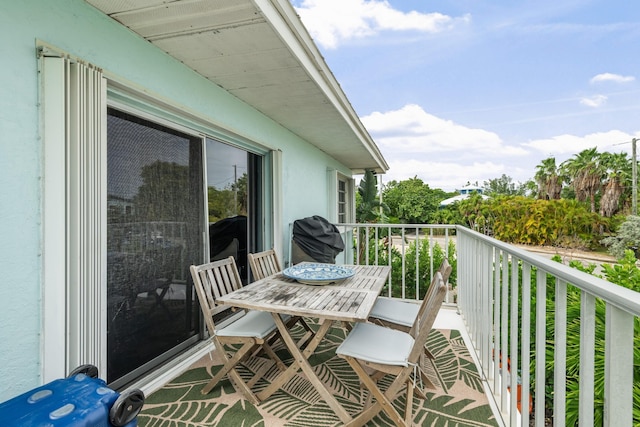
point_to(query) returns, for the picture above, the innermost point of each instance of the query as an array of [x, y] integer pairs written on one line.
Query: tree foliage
[[625, 273], [618, 172], [518, 219], [412, 201], [586, 171], [368, 204], [503, 186], [599, 179], [164, 192], [580, 188], [548, 180], [229, 201]]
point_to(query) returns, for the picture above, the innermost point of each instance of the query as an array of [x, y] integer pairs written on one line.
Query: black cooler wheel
[[89, 370], [126, 408]]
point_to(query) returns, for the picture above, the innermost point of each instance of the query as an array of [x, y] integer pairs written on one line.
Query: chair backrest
[[264, 264], [213, 280], [445, 271], [422, 327]]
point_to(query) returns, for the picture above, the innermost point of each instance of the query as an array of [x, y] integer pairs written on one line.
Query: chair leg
[[258, 375], [420, 392], [308, 336], [273, 356], [160, 300], [305, 325], [428, 384], [229, 369], [382, 400], [408, 409], [347, 326], [292, 321], [427, 357], [365, 416], [376, 376], [242, 387], [229, 363]]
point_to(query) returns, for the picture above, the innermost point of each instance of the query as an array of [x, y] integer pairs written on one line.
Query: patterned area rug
[[458, 399]]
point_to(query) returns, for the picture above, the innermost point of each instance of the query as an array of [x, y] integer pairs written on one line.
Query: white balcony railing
[[498, 285], [405, 247]]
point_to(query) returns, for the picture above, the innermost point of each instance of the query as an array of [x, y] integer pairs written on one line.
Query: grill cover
[[318, 238]]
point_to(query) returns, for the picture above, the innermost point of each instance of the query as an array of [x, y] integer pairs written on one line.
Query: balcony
[[499, 285], [518, 305]]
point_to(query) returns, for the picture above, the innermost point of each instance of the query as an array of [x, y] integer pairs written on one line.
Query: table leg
[[293, 368], [300, 362]]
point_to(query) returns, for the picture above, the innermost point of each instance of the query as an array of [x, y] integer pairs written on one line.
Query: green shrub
[[522, 220], [626, 274], [424, 261], [628, 237]]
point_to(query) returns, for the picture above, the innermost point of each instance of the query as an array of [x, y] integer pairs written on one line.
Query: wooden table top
[[348, 300]]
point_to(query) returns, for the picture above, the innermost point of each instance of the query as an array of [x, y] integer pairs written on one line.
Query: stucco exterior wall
[[78, 29]]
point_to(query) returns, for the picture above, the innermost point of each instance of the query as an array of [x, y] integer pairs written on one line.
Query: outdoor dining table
[[348, 300]]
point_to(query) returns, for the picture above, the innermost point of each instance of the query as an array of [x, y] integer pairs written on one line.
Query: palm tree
[[587, 173], [369, 207], [548, 180], [618, 171]]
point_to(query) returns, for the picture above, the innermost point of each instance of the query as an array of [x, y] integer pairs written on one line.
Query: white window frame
[[334, 178], [350, 199]]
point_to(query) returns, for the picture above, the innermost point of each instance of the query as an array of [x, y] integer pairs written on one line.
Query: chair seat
[[395, 311], [256, 324], [377, 344]]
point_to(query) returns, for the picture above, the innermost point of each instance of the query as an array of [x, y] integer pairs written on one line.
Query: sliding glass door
[[155, 226], [158, 181], [128, 230]]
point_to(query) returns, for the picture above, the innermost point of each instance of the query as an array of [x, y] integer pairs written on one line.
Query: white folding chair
[[252, 330], [401, 316], [388, 351], [264, 264]]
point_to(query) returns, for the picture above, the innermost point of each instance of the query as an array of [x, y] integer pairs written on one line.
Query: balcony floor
[[459, 395]]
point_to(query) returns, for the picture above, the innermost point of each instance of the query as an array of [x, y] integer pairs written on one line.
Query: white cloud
[[447, 155], [564, 146], [333, 21], [447, 176], [609, 77], [414, 132], [594, 101], [442, 153]]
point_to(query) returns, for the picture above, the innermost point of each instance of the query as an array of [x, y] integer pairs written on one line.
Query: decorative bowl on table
[[318, 274]]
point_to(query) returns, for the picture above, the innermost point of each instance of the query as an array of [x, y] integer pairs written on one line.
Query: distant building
[[465, 192]]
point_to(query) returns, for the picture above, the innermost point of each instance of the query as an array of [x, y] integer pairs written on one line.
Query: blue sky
[[467, 90]]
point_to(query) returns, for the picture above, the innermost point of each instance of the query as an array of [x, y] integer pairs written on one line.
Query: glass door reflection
[[233, 183]]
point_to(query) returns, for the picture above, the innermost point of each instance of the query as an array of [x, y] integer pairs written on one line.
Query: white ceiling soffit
[[259, 51]]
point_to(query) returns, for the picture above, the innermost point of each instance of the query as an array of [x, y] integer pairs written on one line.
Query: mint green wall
[[80, 30]]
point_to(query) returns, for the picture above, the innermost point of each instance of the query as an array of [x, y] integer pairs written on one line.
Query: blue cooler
[[78, 400]]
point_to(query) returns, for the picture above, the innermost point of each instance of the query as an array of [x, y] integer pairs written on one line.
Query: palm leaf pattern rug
[[457, 401]]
